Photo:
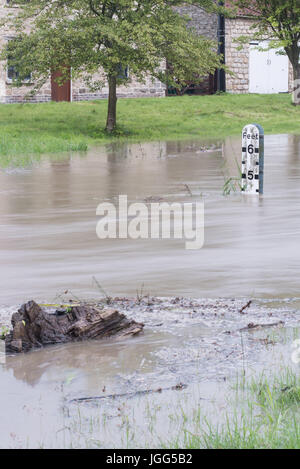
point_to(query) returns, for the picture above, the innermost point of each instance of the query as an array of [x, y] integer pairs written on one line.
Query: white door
[[268, 71]]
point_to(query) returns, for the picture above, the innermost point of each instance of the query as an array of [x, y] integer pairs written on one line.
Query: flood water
[[48, 220], [48, 245]]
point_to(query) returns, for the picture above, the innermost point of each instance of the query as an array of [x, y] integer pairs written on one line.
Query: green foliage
[[107, 35], [231, 184], [3, 333]]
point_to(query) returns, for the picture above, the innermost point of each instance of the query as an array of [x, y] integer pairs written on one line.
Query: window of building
[[123, 72], [12, 71]]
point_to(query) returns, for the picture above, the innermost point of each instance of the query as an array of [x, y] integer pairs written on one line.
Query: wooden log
[[251, 326], [34, 327], [129, 395]]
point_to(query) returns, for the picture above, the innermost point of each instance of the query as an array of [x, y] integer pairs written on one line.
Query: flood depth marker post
[[253, 159]]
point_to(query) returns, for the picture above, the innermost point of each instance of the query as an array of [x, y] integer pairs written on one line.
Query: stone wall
[[238, 60], [80, 92], [134, 89], [11, 94], [206, 24]]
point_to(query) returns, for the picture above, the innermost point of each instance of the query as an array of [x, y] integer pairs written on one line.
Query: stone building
[[71, 91], [254, 71]]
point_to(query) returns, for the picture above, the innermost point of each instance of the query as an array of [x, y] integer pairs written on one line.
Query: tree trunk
[[293, 54], [112, 104], [296, 85]]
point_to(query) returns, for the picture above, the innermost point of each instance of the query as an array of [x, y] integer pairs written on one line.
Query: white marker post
[[253, 159]]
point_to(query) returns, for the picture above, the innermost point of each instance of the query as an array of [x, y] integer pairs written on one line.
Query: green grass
[[265, 415], [33, 129]]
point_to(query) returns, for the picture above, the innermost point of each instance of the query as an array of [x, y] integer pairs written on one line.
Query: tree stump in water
[[34, 327]]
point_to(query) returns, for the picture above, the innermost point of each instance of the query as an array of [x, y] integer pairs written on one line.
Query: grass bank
[[56, 127]]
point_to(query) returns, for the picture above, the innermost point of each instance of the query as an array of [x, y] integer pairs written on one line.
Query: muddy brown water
[[48, 222], [48, 244]]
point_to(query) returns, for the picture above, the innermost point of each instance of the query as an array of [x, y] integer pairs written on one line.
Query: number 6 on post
[[252, 159]]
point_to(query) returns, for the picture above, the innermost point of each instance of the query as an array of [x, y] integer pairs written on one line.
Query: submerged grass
[[33, 129], [256, 413], [266, 415]]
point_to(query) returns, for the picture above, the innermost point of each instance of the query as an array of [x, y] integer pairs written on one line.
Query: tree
[[88, 36], [282, 19]]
